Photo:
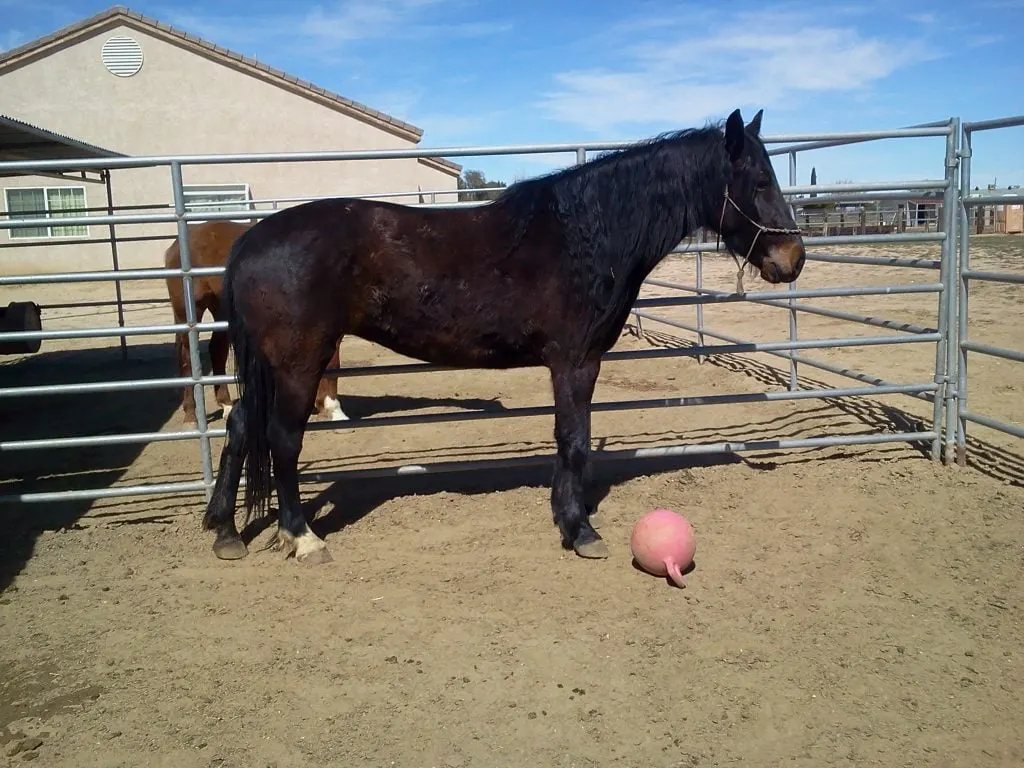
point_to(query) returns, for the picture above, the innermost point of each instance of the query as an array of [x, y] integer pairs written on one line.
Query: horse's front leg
[[573, 393]]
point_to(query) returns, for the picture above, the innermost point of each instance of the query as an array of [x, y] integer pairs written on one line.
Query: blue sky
[[527, 71]]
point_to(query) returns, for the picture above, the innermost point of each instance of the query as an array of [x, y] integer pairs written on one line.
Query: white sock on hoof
[[333, 410], [302, 545], [307, 543]]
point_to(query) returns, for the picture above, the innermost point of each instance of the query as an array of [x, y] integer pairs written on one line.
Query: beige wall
[[181, 102]]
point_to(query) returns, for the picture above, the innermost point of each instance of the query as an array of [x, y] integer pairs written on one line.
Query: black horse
[[544, 275]]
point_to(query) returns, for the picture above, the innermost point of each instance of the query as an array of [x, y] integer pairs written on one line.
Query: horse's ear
[[734, 135], [755, 124]]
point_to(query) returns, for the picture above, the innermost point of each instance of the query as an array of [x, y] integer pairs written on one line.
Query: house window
[[46, 203], [217, 197]]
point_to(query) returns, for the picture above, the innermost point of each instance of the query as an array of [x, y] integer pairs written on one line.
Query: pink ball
[[663, 544]]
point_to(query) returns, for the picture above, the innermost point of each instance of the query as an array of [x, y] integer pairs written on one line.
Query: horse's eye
[[762, 185]]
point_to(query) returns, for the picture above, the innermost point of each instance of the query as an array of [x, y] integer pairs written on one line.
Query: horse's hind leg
[[327, 403], [219, 348], [573, 392], [295, 392], [220, 512], [188, 398]]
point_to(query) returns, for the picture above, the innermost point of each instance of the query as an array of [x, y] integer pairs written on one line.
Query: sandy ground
[[849, 606]]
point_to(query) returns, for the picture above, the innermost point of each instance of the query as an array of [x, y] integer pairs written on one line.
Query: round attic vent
[[122, 56]]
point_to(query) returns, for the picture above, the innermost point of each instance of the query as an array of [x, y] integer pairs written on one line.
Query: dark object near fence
[[16, 317]]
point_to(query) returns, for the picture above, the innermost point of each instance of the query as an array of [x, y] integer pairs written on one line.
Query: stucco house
[[137, 86]]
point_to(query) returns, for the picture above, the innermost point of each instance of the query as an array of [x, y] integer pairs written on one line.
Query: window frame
[[228, 190], [12, 234]]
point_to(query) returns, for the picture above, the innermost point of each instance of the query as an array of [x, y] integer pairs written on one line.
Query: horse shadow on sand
[[345, 502]]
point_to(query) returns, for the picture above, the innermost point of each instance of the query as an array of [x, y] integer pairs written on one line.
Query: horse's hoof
[[315, 557], [594, 518], [594, 549], [330, 410], [230, 549]]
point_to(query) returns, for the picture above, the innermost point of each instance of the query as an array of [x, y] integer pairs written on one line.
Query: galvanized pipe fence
[[965, 274], [946, 391]]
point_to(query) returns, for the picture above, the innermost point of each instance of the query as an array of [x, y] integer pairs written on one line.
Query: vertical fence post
[[700, 305], [950, 220], [942, 380], [793, 376], [193, 334], [113, 257], [963, 283]]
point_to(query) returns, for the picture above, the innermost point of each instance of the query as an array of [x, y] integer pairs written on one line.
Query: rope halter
[[761, 229]]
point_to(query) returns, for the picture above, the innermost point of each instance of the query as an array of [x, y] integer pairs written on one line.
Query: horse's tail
[[255, 383]]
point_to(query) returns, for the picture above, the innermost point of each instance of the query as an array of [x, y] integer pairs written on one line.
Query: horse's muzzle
[[784, 262]]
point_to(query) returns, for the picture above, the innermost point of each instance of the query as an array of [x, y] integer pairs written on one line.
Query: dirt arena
[[848, 606]]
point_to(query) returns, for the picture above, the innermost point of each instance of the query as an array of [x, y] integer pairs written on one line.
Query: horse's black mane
[[622, 195]]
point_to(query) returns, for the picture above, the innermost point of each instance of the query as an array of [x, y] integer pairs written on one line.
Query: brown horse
[[208, 245]]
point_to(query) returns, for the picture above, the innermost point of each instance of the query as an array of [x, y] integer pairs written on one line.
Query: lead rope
[[761, 228]]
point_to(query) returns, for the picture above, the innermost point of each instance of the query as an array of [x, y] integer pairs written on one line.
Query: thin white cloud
[[357, 20], [327, 31], [980, 41], [762, 59]]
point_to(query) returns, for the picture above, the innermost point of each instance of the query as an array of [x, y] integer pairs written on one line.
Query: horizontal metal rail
[[159, 218], [808, 200], [101, 333], [100, 242], [115, 163], [993, 199], [435, 418], [134, 385], [875, 261], [947, 125], [92, 494], [106, 275], [708, 297], [698, 449], [95, 441], [918, 185], [82, 221], [111, 303], [810, 241], [994, 277], [988, 349], [985, 421], [990, 125]]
